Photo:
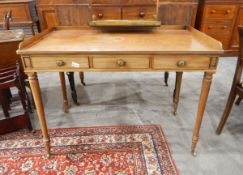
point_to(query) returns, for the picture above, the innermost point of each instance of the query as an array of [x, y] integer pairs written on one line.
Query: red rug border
[[122, 125], [110, 126]]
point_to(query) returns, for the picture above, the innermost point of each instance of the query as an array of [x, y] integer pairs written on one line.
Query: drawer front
[[59, 62], [181, 62], [217, 28], [132, 13], [121, 62], [220, 11], [19, 12], [106, 13]]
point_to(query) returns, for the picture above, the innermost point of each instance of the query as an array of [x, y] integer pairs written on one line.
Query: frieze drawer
[[181, 62], [58, 62], [121, 62]]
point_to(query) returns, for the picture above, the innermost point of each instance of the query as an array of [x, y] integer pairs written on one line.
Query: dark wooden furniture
[[13, 78], [236, 89], [7, 74], [171, 49], [23, 13], [220, 19], [9, 41]]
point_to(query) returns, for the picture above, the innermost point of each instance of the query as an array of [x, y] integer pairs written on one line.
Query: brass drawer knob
[[181, 63], [120, 62], [224, 27], [228, 11], [213, 11], [100, 15], [60, 63], [141, 14], [210, 27]]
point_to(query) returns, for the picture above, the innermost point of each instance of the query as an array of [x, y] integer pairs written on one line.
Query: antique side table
[[75, 49]]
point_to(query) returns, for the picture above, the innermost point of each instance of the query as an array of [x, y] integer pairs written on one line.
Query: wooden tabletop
[[86, 40], [11, 35]]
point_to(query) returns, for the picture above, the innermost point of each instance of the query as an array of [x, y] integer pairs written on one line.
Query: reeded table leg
[[64, 91], [207, 80], [35, 88], [177, 90]]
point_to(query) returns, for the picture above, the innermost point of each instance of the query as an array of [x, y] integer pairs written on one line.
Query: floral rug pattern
[[108, 150]]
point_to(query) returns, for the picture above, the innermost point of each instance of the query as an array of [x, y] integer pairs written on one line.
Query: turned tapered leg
[[166, 77], [35, 88], [81, 76], [176, 96], [64, 91], [72, 86], [207, 80]]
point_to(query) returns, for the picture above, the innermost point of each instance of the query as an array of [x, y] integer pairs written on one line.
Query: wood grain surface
[[169, 39]]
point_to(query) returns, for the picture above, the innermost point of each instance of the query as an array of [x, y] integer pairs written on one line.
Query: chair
[[5, 93], [237, 87], [12, 75], [13, 78]]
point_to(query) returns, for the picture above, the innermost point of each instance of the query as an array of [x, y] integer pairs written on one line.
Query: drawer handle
[[120, 62], [100, 15], [181, 63], [210, 27], [224, 27], [213, 11], [141, 14], [228, 11], [60, 63]]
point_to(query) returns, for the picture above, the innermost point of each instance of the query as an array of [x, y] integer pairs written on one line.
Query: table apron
[[119, 63]]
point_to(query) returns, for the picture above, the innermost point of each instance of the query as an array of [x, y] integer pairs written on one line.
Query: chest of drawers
[[220, 19]]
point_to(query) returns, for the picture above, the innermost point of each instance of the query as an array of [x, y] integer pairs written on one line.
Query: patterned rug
[[113, 150]]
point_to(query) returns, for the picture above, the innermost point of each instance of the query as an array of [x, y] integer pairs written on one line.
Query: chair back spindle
[[7, 19]]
